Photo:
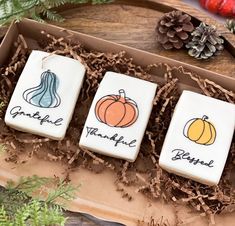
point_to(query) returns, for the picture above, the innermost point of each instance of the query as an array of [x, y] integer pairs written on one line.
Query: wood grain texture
[[132, 23], [78, 219], [128, 24]]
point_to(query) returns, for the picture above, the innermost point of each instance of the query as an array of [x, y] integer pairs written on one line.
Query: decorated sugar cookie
[[41, 103], [118, 116], [198, 138]]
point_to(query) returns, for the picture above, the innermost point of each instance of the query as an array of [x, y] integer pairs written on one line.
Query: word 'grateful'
[[17, 111]]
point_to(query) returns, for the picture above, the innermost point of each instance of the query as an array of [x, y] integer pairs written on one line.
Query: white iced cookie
[[118, 116], [45, 95], [199, 138]]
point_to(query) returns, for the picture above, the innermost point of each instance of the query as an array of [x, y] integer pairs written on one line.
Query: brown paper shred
[[166, 89], [210, 88], [32, 141], [145, 173], [152, 142], [124, 193], [74, 156], [22, 40], [201, 85], [53, 158], [165, 67], [100, 160], [163, 108], [154, 222], [123, 177], [152, 187], [14, 67]]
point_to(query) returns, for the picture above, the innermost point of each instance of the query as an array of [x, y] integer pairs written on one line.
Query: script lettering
[[116, 138], [183, 155]]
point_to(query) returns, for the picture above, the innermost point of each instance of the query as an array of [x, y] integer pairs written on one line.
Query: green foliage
[[34, 213], [64, 191], [2, 105], [22, 215], [17, 208], [47, 215], [29, 185], [4, 219], [2, 149], [12, 200], [17, 9]]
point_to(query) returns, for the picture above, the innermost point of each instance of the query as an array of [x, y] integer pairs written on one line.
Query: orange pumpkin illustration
[[200, 131], [117, 110]]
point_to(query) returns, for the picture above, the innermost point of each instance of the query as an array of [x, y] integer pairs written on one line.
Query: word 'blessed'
[[183, 155]]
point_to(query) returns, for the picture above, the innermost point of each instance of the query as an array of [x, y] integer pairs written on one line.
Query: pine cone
[[205, 43], [173, 29], [230, 24]]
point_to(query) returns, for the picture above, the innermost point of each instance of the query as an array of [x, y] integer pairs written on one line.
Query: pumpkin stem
[[205, 117], [122, 96]]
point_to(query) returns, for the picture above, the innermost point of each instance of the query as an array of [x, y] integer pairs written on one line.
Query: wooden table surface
[[128, 24], [132, 23]]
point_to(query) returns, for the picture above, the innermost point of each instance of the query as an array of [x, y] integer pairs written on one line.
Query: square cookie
[[199, 138], [45, 95], [118, 116]]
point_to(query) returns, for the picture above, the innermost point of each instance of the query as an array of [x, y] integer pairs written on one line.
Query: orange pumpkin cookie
[[118, 116], [117, 110]]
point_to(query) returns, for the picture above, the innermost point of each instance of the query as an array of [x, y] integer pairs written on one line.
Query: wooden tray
[[133, 23]]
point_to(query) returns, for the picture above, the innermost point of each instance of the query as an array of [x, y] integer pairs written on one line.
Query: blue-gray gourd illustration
[[45, 94]]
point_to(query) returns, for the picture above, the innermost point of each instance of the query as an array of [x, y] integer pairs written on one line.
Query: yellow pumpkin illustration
[[200, 131]]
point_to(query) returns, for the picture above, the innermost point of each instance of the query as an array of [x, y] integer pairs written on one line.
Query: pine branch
[[22, 215], [52, 15], [4, 219], [34, 212], [11, 10], [43, 214], [12, 200], [29, 185], [64, 191], [51, 216], [18, 208], [17, 9], [36, 16]]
